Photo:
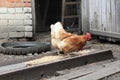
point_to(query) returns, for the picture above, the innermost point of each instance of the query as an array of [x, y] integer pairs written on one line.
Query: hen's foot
[[60, 52], [67, 55]]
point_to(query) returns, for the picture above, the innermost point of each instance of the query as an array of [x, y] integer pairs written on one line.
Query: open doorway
[[46, 13]]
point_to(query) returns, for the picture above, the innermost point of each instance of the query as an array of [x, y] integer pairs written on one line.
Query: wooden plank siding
[[117, 2], [104, 17], [85, 15], [112, 7]]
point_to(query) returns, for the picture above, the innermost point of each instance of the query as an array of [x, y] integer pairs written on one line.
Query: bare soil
[[94, 43]]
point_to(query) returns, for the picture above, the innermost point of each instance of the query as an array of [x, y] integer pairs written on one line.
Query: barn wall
[[15, 18], [104, 17], [85, 15]]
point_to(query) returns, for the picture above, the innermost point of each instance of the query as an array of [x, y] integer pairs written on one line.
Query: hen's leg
[[83, 52], [80, 49], [60, 52], [67, 55]]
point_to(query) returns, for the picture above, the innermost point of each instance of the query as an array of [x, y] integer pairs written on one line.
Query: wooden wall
[[85, 15], [102, 17]]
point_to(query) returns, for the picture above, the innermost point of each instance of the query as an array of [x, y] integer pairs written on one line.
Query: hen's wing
[[72, 43], [60, 32]]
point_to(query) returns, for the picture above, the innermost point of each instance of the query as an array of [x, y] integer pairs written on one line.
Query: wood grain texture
[[103, 16]]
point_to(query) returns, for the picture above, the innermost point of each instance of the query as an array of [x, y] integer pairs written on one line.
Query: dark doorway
[[46, 13]]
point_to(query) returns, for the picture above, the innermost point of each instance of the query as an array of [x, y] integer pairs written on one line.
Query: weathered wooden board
[[117, 4], [112, 16], [103, 17], [78, 73], [92, 73], [85, 15], [45, 66], [110, 69]]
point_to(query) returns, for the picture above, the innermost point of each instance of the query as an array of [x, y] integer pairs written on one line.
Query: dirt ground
[[94, 43]]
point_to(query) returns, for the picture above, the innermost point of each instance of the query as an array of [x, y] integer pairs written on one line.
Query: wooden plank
[[87, 69], [97, 14], [85, 15], [108, 17], [92, 66], [83, 71], [63, 11], [72, 16], [33, 18], [104, 11], [80, 16], [104, 16], [32, 69], [72, 75], [71, 3], [103, 33], [117, 15], [91, 12], [113, 13], [110, 69]]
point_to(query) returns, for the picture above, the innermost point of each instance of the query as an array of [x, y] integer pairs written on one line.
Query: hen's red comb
[[88, 35]]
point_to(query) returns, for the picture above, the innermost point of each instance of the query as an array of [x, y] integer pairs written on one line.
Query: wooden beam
[[34, 70], [113, 68]]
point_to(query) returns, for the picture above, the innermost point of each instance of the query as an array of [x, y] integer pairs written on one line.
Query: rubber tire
[[32, 47]]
